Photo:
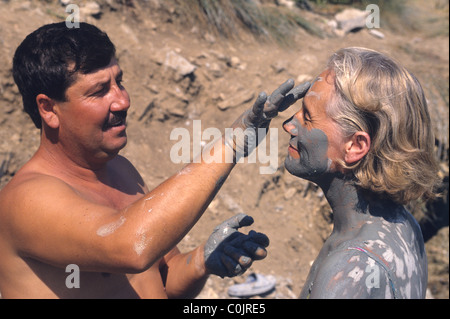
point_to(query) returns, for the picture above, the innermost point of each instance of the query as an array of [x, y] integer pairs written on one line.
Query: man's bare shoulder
[[32, 181], [30, 201], [29, 174], [26, 186], [41, 215]]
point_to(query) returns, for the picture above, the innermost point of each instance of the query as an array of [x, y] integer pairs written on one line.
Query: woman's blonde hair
[[376, 95]]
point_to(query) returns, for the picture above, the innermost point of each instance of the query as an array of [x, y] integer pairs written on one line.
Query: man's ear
[[47, 110], [357, 147]]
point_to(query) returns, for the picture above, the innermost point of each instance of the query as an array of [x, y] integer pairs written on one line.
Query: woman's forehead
[[322, 86]]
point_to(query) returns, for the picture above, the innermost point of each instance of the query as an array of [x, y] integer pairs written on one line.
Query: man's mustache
[[117, 118]]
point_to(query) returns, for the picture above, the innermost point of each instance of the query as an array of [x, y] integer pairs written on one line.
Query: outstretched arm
[[51, 221]]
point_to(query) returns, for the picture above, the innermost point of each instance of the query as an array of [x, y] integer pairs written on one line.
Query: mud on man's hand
[[251, 127], [228, 252]]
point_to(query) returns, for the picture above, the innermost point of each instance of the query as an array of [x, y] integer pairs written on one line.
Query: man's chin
[[113, 150]]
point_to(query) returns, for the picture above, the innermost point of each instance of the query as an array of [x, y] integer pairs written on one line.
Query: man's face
[[93, 119], [315, 139]]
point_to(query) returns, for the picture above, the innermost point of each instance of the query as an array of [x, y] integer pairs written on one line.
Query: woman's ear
[[357, 147], [47, 110]]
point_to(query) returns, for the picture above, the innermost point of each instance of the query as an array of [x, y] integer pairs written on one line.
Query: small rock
[[376, 33], [179, 64], [290, 193], [209, 38], [91, 8], [153, 88], [242, 97], [215, 69], [112, 5], [230, 203], [286, 3], [234, 62], [304, 77], [351, 19], [178, 109], [278, 66]]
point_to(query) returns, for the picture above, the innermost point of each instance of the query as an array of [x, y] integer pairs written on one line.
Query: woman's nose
[[291, 126]]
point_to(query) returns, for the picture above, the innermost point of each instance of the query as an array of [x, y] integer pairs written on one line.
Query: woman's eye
[[306, 116]]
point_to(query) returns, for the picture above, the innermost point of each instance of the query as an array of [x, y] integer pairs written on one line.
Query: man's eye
[[101, 92]]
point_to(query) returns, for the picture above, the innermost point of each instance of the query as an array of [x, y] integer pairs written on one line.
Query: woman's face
[[316, 141]]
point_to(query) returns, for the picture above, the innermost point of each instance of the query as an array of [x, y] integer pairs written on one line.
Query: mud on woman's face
[[314, 137], [307, 151]]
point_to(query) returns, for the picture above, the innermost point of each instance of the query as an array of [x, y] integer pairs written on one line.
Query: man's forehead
[[100, 75], [112, 67]]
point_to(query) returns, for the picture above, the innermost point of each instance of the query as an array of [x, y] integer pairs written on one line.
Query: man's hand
[[229, 253], [251, 127]]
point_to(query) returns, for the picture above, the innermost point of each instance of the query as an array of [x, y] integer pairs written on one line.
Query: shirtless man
[[77, 202], [364, 136]]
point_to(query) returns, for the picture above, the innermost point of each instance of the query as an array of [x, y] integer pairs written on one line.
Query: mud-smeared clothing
[[385, 259]]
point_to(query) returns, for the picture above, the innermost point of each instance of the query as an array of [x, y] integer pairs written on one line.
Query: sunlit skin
[[376, 248], [77, 186], [98, 101], [315, 138], [77, 201]]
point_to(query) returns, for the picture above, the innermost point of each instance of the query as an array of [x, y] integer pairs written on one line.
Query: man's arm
[[50, 221], [184, 274], [46, 219]]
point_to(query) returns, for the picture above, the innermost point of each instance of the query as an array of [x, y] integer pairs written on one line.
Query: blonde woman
[[364, 136]]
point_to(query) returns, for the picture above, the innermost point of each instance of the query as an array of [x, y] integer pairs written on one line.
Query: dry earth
[[228, 75]]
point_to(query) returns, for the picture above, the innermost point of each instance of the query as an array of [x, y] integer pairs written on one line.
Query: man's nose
[[121, 100]]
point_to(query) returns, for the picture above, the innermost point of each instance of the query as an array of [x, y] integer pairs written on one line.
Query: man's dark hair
[[48, 59]]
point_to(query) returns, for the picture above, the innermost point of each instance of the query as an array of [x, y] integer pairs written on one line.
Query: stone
[[91, 8], [351, 19], [241, 97], [179, 64], [376, 33]]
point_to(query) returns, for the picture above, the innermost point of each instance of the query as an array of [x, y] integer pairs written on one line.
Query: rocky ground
[[178, 70]]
